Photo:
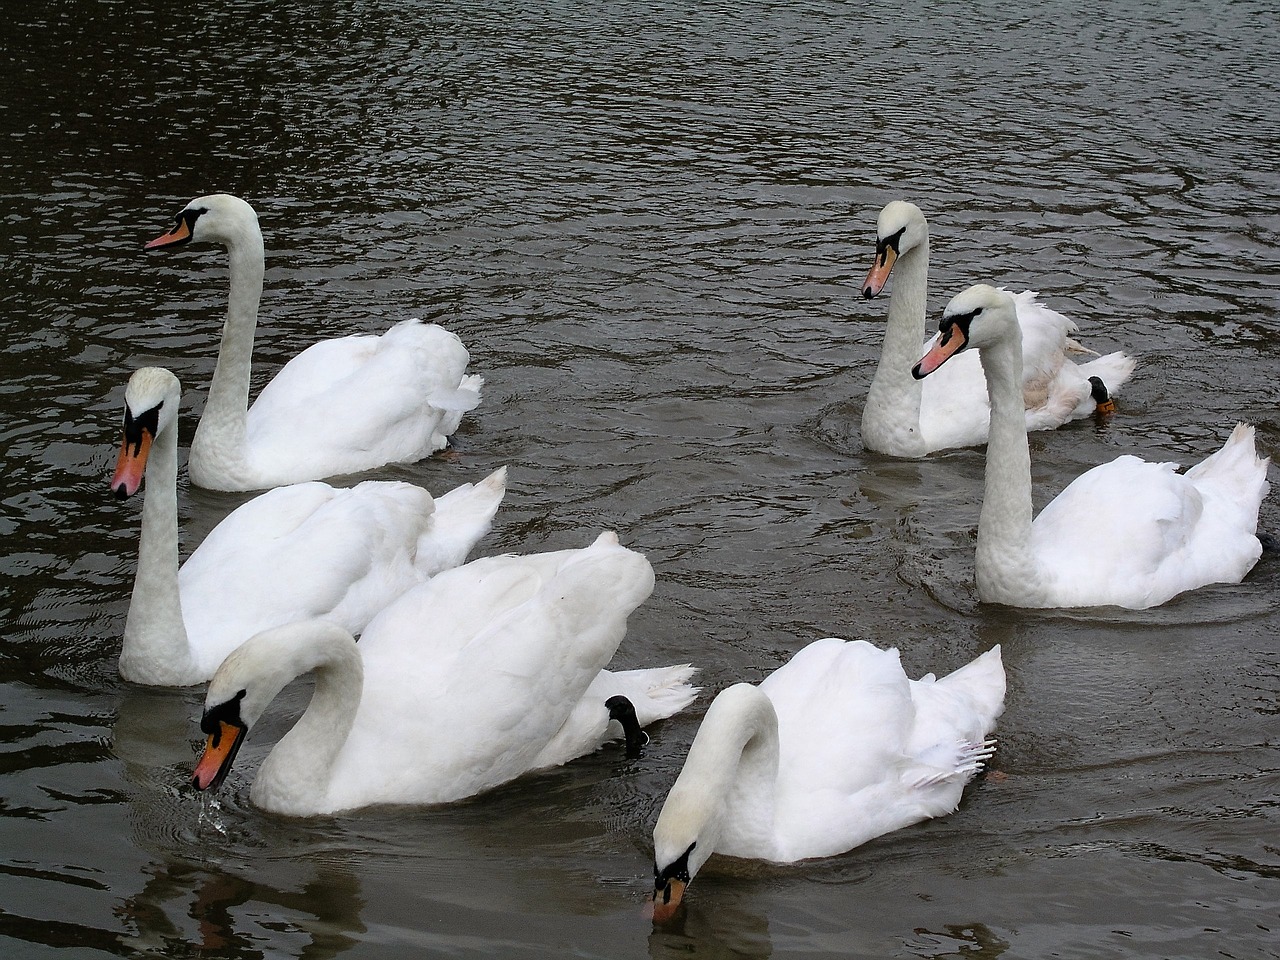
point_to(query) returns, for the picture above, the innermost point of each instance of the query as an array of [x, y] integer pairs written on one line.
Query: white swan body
[[1126, 533], [339, 407], [832, 749], [906, 418], [299, 551], [484, 673]]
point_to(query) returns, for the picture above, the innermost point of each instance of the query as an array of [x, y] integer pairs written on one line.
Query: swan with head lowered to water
[[484, 673], [905, 418], [1126, 533], [834, 748], [339, 407], [302, 550]]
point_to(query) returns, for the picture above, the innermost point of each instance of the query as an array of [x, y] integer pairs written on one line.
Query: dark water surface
[[649, 223]]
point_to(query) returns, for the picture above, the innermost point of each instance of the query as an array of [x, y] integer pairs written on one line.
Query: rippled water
[[649, 223]]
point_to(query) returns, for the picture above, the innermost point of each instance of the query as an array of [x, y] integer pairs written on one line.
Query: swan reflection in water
[[325, 912]]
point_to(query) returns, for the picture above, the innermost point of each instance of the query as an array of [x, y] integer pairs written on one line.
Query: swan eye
[[885, 244], [678, 869], [949, 326], [190, 215], [226, 712], [146, 422]]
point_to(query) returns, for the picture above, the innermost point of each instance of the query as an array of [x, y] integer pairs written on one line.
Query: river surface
[[649, 223]]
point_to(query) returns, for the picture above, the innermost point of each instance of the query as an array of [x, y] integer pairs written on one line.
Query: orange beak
[[666, 900], [219, 752], [181, 233], [944, 347], [131, 465], [878, 275]]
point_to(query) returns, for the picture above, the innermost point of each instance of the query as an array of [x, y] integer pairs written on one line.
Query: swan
[[832, 749], [483, 673], [904, 418], [1126, 533], [304, 550], [339, 407]]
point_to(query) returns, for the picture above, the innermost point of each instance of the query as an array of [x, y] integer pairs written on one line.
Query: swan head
[[900, 228], [250, 678], [683, 840], [150, 407], [216, 218], [979, 317]]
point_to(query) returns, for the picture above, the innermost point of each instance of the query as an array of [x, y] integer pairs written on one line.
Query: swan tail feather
[[1238, 455], [461, 518], [1236, 471], [982, 680], [465, 396], [946, 763]]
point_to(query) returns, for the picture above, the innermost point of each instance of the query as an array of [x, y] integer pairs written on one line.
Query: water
[[650, 223]]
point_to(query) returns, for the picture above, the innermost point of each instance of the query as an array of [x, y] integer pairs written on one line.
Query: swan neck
[[894, 394], [725, 795], [222, 429], [156, 649], [295, 777], [1005, 565]]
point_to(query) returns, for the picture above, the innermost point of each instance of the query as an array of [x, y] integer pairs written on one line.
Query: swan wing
[[460, 519], [864, 751], [1136, 534], [358, 402], [949, 741], [469, 677], [1110, 530], [298, 552], [844, 714]]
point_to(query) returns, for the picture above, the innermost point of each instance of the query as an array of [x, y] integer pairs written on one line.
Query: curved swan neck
[[893, 399], [156, 649], [1004, 559], [221, 432], [295, 777], [724, 796]]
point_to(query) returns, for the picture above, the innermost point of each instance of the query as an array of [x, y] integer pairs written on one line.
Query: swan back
[[1136, 534]]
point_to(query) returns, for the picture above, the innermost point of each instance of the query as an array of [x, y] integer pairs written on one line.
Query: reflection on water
[[649, 224], [729, 931], [317, 921], [971, 941]]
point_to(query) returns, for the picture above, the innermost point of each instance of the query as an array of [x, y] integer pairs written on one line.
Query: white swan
[[1129, 533], [304, 550], [484, 673], [832, 749], [904, 418], [341, 406]]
